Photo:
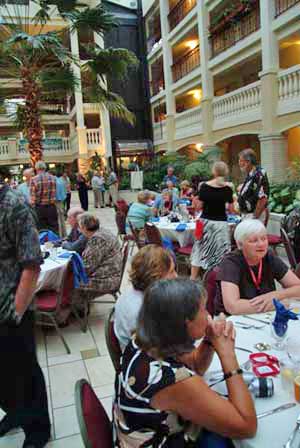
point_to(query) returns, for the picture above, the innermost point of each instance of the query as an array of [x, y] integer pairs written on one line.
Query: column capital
[[268, 137], [269, 71]]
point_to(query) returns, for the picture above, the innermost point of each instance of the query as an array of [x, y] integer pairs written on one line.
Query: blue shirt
[[172, 179], [61, 191], [25, 190], [138, 214], [158, 203]]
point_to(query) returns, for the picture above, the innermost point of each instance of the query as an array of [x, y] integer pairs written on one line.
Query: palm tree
[[37, 55]]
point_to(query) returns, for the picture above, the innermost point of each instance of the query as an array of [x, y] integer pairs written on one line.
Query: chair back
[[288, 248], [124, 261], [122, 206], [112, 342], [94, 424], [135, 234], [267, 216], [152, 234], [210, 284], [121, 222]]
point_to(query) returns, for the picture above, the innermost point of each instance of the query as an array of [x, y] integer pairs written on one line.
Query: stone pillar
[[273, 150], [206, 76], [167, 64]]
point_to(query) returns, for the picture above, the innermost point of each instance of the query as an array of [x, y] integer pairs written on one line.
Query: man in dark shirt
[[253, 195], [23, 394]]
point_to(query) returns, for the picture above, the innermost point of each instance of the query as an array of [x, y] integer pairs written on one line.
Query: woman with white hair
[[246, 279]]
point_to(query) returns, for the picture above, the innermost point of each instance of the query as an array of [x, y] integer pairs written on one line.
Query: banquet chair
[[121, 225], [95, 426], [210, 284], [274, 240], [135, 233], [288, 248], [112, 342], [49, 303], [115, 292], [152, 234], [121, 206]]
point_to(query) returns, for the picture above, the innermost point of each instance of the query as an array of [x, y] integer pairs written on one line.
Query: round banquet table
[[52, 272], [273, 430]]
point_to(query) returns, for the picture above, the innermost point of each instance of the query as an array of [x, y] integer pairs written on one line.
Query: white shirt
[[126, 313]]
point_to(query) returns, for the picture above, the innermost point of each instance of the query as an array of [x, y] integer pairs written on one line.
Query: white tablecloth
[[168, 229], [52, 273], [274, 430], [136, 180]]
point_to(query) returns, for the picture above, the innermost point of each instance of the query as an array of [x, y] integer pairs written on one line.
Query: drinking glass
[[279, 333]]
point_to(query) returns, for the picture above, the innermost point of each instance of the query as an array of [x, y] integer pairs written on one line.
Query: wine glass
[[279, 333]]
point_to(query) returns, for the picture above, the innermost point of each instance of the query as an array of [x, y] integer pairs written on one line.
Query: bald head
[[73, 214]]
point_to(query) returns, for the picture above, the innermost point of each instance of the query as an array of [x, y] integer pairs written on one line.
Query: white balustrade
[[289, 83], [243, 100], [189, 122], [94, 139], [4, 149], [74, 143], [159, 131]]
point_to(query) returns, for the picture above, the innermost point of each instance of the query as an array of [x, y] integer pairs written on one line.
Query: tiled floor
[[88, 359]]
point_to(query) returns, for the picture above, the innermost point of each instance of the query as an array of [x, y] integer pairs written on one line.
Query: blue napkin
[[154, 219], [282, 316], [48, 235], [233, 219], [185, 201], [79, 273], [181, 227]]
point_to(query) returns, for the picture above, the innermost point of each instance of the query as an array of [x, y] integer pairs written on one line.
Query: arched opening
[[191, 151]]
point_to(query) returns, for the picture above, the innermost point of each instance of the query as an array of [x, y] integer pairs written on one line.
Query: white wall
[[128, 3], [147, 5]]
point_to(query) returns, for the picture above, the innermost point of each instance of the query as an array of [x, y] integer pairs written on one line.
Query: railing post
[[12, 147]]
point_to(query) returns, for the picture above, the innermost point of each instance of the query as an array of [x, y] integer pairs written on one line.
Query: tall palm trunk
[[33, 129]]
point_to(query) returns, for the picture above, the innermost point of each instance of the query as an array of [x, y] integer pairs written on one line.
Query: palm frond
[[114, 63], [58, 81], [96, 19]]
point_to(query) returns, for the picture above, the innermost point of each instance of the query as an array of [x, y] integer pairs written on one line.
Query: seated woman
[[165, 203], [102, 259], [139, 212], [185, 190], [215, 195], [149, 264], [246, 279], [160, 393]]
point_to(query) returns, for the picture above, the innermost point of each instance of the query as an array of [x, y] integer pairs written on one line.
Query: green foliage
[[125, 181], [284, 197], [96, 162]]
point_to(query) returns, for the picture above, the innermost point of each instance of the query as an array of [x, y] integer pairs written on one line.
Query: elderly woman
[[160, 393], [139, 212], [165, 203], [215, 243], [102, 259], [246, 280], [185, 190], [149, 264]]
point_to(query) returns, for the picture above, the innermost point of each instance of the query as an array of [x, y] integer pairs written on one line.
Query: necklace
[[256, 279]]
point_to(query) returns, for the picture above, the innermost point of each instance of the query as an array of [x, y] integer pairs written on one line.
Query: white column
[[274, 156], [167, 64], [78, 91], [104, 114]]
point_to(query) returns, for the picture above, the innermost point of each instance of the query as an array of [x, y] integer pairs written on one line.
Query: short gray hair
[[40, 165], [249, 155], [89, 222], [246, 228], [75, 211]]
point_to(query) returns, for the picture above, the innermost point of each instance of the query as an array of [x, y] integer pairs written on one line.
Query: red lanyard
[[256, 280]]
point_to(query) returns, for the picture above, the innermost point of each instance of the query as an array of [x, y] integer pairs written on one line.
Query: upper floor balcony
[[234, 26], [179, 11], [157, 77], [186, 64], [283, 5], [153, 32]]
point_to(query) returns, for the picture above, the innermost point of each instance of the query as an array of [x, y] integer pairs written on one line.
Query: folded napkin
[[181, 227], [233, 219], [282, 316], [79, 273], [185, 201], [48, 235], [154, 219]]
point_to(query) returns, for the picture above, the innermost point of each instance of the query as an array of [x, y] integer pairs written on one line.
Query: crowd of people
[[161, 398]]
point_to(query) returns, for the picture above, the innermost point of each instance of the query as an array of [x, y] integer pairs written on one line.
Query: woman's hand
[[262, 303], [221, 333]]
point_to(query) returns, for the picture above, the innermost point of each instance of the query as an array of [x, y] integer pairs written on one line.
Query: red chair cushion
[[274, 239], [210, 284], [97, 422], [46, 301], [186, 250]]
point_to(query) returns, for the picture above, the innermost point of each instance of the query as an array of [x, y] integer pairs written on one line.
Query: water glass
[[279, 335]]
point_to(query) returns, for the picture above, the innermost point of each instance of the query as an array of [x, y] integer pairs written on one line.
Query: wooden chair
[[121, 225], [95, 426], [114, 293], [210, 284], [49, 304], [288, 248], [152, 234], [112, 342], [135, 233]]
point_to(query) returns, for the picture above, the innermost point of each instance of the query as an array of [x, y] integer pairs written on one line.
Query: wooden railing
[[180, 10], [235, 32], [283, 5], [186, 64]]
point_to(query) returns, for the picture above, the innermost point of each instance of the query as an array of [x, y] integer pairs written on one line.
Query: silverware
[[283, 407], [257, 320], [290, 440], [248, 326], [244, 349]]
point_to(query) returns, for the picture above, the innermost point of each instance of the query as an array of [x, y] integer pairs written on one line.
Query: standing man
[[24, 188], [61, 195], [67, 182], [98, 189], [23, 394], [43, 197], [170, 176], [253, 195], [113, 186]]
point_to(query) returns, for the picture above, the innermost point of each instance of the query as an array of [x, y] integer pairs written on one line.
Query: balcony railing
[[159, 131], [186, 64], [157, 85], [189, 122], [93, 137], [239, 101], [180, 10], [289, 90], [235, 32], [283, 5]]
